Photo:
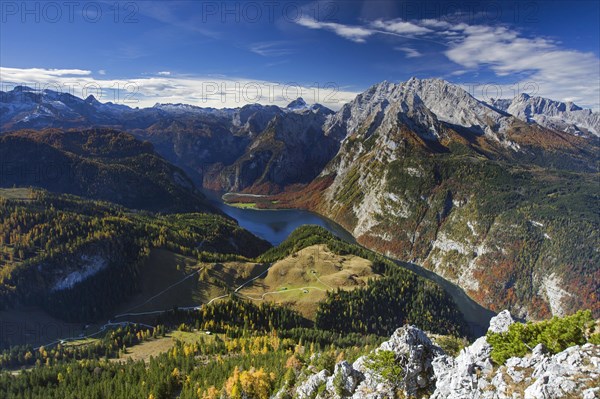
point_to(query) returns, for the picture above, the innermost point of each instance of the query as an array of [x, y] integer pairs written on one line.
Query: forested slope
[[79, 258]]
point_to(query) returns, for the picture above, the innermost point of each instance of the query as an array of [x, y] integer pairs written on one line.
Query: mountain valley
[[420, 170], [116, 269]]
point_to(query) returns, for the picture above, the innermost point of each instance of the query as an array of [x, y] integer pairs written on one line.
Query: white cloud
[[557, 73], [164, 73], [102, 72], [37, 74], [533, 62], [270, 49], [400, 27], [459, 72], [203, 91], [410, 52], [357, 34], [435, 23]]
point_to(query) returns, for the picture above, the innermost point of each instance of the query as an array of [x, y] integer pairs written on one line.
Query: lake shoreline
[[257, 202], [258, 220]]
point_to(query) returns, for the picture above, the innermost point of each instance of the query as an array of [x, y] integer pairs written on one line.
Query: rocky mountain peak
[[321, 109], [501, 322], [22, 88], [427, 372], [551, 114], [298, 103], [422, 105], [92, 100], [454, 105]]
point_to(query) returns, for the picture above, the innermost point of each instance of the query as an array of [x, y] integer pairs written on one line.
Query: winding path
[[110, 323], [262, 298]]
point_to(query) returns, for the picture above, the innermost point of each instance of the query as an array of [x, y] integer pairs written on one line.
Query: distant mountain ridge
[[100, 164], [500, 198], [210, 144], [556, 115], [214, 145], [24, 107]]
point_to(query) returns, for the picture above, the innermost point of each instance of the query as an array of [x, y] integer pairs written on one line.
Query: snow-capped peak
[[420, 99], [556, 115], [92, 100], [297, 104], [24, 88], [452, 104], [177, 107]]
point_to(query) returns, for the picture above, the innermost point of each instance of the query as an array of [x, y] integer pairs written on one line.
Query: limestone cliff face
[[557, 115], [427, 372], [292, 149], [429, 174]]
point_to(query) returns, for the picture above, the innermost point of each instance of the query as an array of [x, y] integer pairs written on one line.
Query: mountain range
[[504, 208], [102, 164], [236, 149], [500, 197], [555, 115]]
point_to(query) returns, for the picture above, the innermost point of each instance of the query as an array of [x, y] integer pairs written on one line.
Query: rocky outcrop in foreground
[[425, 371]]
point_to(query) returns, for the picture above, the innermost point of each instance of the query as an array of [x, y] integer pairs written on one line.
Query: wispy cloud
[[170, 12], [533, 62], [277, 63], [38, 74], [203, 91], [557, 73], [271, 49], [128, 52], [164, 73], [357, 34], [400, 27], [410, 52]]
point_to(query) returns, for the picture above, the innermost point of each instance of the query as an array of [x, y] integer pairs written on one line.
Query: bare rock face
[[501, 322], [575, 371], [344, 380], [459, 377], [551, 114], [414, 353], [427, 372], [310, 387]]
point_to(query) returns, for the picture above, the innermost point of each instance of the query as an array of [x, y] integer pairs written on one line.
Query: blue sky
[[216, 53]]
